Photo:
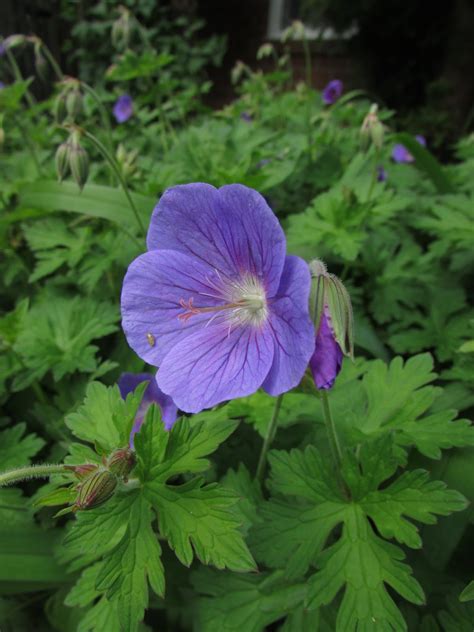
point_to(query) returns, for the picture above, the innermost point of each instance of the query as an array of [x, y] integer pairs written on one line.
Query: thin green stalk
[[113, 164], [336, 450], [19, 77], [373, 179], [53, 63], [103, 113], [268, 439], [32, 471]]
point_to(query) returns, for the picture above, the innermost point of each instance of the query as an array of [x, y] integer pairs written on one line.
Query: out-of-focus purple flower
[[2, 85], [326, 360], [401, 154], [128, 382], [245, 116], [381, 174], [262, 163], [3, 49], [216, 303], [332, 91], [123, 108]]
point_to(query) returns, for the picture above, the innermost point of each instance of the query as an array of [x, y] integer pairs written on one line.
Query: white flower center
[[244, 301]]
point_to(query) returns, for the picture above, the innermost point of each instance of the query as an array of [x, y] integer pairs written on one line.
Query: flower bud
[[331, 311], [121, 29], [74, 103], [82, 471], [121, 462], [96, 489], [372, 130], [59, 107], [78, 160], [62, 161], [265, 50], [13, 40]]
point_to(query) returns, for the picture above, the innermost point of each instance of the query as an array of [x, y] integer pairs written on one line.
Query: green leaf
[[132, 65], [105, 418], [243, 602], [468, 593], [56, 337], [197, 519], [162, 454], [94, 200], [16, 448], [135, 560], [458, 617], [426, 162], [27, 559], [306, 506]]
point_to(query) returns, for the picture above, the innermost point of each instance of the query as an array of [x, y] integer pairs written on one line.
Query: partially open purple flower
[[216, 303], [326, 360], [401, 154], [128, 382], [332, 91], [123, 108]]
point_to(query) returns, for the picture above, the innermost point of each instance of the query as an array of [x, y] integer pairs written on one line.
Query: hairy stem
[[113, 164], [32, 471], [268, 439], [19, 77]]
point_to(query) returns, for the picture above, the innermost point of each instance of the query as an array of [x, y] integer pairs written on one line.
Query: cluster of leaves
[[195, 543]]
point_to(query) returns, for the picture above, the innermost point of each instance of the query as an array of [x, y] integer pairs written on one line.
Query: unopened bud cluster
[[68, 105], [98, 482], [372, 130], [72, 157], [127, 161]]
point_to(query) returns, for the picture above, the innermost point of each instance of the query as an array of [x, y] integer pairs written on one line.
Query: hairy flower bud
[[78, 160], [121, 462], [265, 50], [372, 130], [74, 103], [82, 471], [96, 489], [13, 40], [62, 161], [121, 29], [331, 311]]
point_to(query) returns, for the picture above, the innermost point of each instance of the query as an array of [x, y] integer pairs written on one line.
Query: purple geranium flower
[[2, 85], [123, 108], [332, 91], [215, 303], [245, 116], [326, 360], [128, 382], [401, 154]]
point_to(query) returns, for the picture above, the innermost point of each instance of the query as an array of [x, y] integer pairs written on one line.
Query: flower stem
[[19, 77], [268, 439], [331, 430], [32, 471], [103, 112], [112, 162], [53, 63]]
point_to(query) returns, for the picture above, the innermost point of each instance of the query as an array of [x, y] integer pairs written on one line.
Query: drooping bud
[[331, 311], [12, 41], [74, 103], [265, 50], [62, 161], [372, 130], [59, 107], [82, 471], [295, 31], [238, 71], [121, 29], [121, 462], [78, 160], [96, 489]]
